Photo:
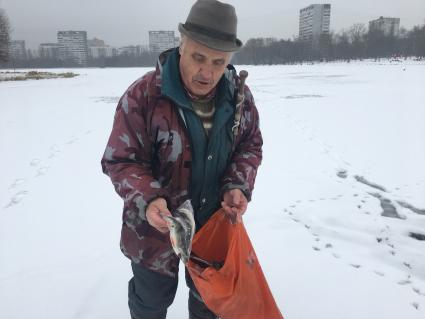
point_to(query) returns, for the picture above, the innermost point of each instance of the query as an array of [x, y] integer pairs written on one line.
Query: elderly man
[[173, 140]]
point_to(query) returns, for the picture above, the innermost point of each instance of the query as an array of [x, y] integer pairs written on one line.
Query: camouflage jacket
[[148, 155]]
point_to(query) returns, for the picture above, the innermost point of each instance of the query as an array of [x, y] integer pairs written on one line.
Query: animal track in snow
[[35, 162], [72, 140], [379, 273], [415, 305], [42, 171], [357, 266], [16, 183], [16, 199], [53, 151]]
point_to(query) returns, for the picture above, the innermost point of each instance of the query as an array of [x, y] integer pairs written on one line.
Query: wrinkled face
[[201, 67]]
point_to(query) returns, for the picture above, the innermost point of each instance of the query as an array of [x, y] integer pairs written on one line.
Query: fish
[[182, 228], [217, 265]]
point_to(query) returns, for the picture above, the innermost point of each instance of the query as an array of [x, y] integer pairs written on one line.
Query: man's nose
[[206, 72]]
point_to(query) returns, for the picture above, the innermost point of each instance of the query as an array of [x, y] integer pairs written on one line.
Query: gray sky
[[125, 22]]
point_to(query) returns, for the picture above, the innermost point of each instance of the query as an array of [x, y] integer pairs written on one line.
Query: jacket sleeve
[[127, 158], [247, 155]]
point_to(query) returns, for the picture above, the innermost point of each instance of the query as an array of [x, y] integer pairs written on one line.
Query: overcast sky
[[125, 22]]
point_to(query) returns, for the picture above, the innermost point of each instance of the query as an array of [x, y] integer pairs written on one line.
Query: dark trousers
[[150, 294]]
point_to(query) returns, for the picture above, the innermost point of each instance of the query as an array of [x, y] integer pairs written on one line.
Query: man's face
[[201, 67]]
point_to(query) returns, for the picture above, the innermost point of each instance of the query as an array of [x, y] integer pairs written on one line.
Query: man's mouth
[[203, 82]]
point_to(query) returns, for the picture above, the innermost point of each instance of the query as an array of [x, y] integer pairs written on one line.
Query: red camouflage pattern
[[148, 156]]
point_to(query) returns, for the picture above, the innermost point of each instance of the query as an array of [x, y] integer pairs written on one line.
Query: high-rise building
[[176, 41], [33, 54], [17, 50], [95, 42], [73, 47], [161, 40], [97, 49], [49, 51], [130, 50], [389, 26], [314, 23]]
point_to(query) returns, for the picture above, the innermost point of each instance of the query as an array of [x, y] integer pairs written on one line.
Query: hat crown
[[213, 24], [214, 15]]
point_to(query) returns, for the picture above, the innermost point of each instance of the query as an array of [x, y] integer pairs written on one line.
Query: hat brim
[[212, 43]]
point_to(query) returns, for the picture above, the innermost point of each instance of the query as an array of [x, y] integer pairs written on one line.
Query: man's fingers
[[159, 221], [163, 229], [154, 211], [236, 196], [226, 207], [156, 220]]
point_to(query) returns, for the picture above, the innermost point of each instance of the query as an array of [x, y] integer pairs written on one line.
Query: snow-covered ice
[[344, 149]]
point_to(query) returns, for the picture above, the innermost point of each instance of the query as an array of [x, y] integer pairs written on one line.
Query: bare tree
[[357, 35], [4, 36], [357, 32]]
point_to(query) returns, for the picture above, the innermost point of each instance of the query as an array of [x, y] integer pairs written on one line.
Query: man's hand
[[153, 216], [234, 203]]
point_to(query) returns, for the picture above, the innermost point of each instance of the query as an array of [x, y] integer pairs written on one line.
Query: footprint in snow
[[52, 155], [357, 266], [381, 274], [407, 265], [35, 162], [418, 291], [16, 183], [415, 305], [72, 140], [16, 199], [42, 171], [54, 149], [342, 173]]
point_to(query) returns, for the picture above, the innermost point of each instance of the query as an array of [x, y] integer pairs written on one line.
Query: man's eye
[[198, 58], [218, 63]]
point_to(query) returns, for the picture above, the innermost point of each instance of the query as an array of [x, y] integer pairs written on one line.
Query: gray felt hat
[[213, 24]]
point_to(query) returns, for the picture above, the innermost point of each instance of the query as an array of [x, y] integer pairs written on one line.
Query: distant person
[[172, 140]]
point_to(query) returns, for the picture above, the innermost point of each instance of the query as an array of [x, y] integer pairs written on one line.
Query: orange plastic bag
[[235, 287]]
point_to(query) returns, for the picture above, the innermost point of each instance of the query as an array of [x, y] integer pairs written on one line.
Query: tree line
[[355, 42]]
